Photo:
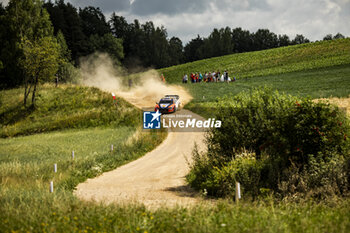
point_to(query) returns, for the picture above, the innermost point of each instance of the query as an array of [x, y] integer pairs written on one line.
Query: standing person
[[192, 78], [197, 77], [162, 78], [185, 78], [226, 76], [218, 75], [213, 75], [200, 77]]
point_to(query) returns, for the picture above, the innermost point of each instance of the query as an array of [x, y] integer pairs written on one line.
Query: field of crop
[[269, 62]]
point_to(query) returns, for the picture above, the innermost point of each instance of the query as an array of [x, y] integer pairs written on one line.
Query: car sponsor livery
[[168, 104]]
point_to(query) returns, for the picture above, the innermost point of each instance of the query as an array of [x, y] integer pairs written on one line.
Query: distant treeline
[[81, 32]]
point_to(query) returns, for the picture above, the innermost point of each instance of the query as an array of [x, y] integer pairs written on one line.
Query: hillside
[[65, 107], [269, 62]]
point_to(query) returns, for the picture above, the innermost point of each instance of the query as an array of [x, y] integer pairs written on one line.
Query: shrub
[[282, 126], [293, 142]]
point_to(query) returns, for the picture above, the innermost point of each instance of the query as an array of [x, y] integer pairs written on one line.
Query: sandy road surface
[[156, 179]]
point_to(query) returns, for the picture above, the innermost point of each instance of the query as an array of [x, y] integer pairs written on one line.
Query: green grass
[[61, 108], [269, 62], [61, 212], [317, 83]]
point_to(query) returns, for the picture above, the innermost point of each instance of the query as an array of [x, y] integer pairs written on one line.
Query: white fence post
[[55, 167], [238, 192], [73, 154], [51, 187]]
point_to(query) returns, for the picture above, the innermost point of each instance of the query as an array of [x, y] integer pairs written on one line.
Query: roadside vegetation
[[64, 213], [276, 144]]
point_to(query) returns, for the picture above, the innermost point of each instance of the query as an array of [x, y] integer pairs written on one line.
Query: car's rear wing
[[173, 96]]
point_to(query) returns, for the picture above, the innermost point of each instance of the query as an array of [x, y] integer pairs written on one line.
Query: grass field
[[84, 120], [27, 162], [316, 83], [269, 62]]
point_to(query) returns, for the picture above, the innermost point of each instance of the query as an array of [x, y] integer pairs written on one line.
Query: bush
[[280, 125], [285, 134]]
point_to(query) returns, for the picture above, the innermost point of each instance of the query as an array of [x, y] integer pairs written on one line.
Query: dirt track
[[156, 179]]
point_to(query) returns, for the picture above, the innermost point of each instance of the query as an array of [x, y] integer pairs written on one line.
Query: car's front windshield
[[166, 101]]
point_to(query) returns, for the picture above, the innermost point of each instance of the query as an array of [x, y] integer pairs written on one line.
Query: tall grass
[[33, 211]]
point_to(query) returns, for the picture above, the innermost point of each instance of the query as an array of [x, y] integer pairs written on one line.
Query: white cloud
[[185, 19], [314, 18]]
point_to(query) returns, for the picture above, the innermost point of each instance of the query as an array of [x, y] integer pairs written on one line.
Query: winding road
[[157, 178]]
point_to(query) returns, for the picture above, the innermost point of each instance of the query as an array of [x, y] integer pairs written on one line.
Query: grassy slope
[[269, 62], [316, 83], [61, 108]]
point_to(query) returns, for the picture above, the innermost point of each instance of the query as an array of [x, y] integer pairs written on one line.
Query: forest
[[62, 34]]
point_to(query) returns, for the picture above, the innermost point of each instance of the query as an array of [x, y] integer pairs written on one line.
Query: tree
[[328, 37], [338, 36], [300, 39], [22, 19], [65, 53], [93, 21], [65, 18], [175, 51], [283, 40], [264, 39], [119, 26], [108, 44], [40, 62], [242, 40], [192, 49]]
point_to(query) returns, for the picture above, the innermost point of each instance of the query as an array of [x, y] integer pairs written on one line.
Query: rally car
[[168, 104]]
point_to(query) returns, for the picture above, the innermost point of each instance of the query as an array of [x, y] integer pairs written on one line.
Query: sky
[[188, 18]]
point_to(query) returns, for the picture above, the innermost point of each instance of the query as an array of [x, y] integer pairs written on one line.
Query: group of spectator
[[207, 77]]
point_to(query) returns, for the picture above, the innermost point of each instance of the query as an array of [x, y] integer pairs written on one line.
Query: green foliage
[[68, 73], [269, 62], [108, 44], [218, 179], [284, 133], [22, 20], [61, 108], [65, 53], [284, 126], [41, 59]]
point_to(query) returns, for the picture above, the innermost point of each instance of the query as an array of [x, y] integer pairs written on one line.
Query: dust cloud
[[99, 71]]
